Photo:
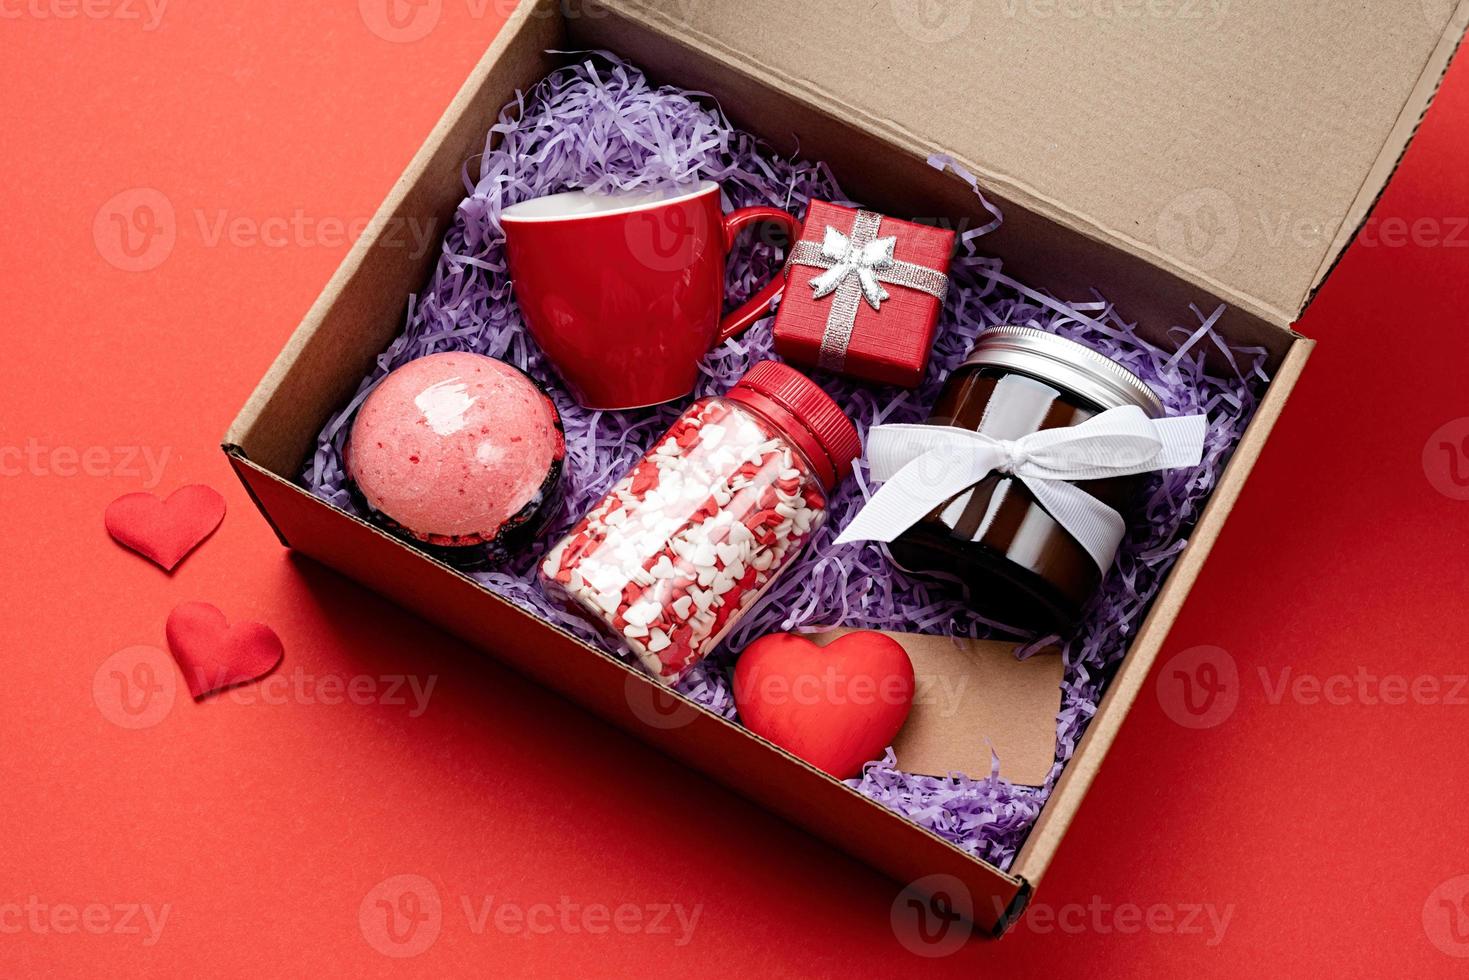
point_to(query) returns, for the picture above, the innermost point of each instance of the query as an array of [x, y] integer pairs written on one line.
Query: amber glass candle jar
[[1022, 568]]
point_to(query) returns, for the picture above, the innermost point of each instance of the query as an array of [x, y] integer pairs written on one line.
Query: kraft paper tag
[[971, 695]]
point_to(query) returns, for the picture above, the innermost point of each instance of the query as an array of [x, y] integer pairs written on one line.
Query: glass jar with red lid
[[695, 533]]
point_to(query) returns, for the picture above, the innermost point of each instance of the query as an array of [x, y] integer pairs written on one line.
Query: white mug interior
[[584, 204]]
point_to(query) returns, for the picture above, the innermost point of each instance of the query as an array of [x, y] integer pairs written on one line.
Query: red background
[[262, 826]]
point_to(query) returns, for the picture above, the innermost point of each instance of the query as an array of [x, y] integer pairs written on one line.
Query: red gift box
[[863, 295]]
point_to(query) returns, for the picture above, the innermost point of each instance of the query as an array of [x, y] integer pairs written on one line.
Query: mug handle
[[754, 308]]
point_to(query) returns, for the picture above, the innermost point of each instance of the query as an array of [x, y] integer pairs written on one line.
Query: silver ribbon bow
[[850, 260], [856, 267], [923, 466]]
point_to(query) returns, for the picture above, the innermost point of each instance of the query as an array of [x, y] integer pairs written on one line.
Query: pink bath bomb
[[456, 448]]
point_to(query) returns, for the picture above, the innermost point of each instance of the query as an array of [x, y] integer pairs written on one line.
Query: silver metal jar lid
[[1064, 363]]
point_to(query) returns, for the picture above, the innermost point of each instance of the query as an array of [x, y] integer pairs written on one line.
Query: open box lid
[[1239, 144]]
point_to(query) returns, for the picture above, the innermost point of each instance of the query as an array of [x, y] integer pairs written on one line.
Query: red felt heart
[[164, 531], [837, 706], [215, 655]]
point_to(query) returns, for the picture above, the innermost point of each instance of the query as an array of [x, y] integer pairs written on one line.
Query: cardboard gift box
[[833, 325], [1164, 160]]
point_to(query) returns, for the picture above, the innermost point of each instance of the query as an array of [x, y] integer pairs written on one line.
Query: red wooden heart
[[213, 654], [837, 706], [164, 531]]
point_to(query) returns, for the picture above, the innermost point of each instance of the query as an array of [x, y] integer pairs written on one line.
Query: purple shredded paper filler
[[599, 124]]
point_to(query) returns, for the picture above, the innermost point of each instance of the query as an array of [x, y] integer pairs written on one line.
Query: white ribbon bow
[[864, 263], [925, 465]]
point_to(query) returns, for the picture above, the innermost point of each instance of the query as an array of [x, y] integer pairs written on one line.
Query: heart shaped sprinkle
[[837, 706], [214, 655], [165, 531]]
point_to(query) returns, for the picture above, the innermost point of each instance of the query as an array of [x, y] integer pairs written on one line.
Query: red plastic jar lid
[[806, 414]]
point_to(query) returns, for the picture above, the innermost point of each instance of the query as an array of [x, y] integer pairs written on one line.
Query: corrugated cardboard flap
[[1238, 143]]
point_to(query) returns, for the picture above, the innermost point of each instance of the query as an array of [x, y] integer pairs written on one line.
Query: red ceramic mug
[[624, 291]]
